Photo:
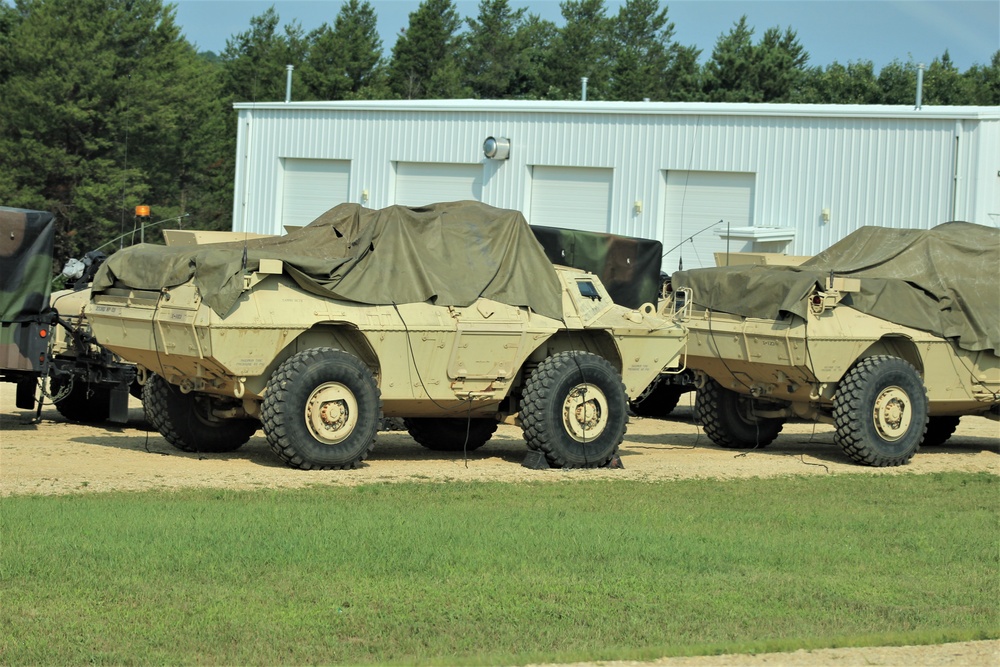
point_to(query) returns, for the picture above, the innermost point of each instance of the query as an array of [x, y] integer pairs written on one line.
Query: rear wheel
[[940, 429], [880, 412], [659, 402], [730, 419], [84, 402], [574, 410], [322, 410], [186, 420], [450, 435]]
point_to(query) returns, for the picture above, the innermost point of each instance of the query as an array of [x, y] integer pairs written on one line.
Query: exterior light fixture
[[496, 148], [142, 211]]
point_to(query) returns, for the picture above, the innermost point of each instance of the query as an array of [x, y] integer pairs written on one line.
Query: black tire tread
[[940, 429], [538, 391], [712, 412], [449, 435], [275, 418], [850, 414], [185, 432], [660, 402]]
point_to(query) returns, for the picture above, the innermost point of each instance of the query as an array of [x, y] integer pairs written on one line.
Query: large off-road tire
[[730, 420], [85, 403], [186, 420], [880, 412], [450, 435], [574, 410], [940, 429], [322, 410], [659, 402]]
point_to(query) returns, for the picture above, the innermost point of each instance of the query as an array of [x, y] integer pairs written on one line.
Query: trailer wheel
[[450, 435], [880, 412], [85, 403], [659, 402], [574, 410], [729, 418], [939, 430], [186, 420], [322, 410]]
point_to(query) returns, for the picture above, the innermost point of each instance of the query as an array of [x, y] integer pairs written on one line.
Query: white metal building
[[698, 177]]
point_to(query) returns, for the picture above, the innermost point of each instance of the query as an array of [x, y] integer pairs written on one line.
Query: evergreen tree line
[[104, 104]]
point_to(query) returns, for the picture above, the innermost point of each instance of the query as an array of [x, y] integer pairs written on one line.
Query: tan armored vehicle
[[449, 316], [890, 335]]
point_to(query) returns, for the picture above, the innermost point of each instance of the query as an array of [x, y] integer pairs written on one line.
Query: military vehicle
[[448, 316], [44, 335], [890, 335]]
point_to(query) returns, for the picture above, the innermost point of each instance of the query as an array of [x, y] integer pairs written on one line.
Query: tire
[[321, 410], [451, 434], [186, 421], [565, 389], [729, 421], [880, 412], [939, 430], [660, 402], [85, 403]]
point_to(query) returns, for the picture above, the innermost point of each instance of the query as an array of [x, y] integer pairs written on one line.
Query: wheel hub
[[892, 413], [585, 412], [331, 413]]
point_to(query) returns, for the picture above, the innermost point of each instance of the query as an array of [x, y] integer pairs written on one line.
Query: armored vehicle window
[[588, 290]]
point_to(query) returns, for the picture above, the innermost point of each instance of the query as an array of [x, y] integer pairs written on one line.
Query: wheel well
[[597, 342], [896, 346], [323, 335]]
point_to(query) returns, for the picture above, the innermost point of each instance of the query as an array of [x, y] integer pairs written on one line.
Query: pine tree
[[493, 59], [580, 49], [345, 62], [780, 66], [729, 74], [100, 111], [984, 82], [425, 58]]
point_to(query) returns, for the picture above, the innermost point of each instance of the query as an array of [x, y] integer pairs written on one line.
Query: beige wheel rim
[[585, 412], [331, 413], [892, 413]]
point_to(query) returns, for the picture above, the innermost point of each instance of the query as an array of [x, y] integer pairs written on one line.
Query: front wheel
[[730, 419], [880, 412], [574, 410], [186, 421], [322, 410], [450, 435]]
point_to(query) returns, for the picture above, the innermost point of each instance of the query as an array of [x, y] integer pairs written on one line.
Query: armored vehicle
[[44, 335], [449, 316], [890, 335]]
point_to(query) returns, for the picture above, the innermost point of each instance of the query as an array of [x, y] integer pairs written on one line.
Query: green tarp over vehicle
[[446, 254], [945, 280], [629, 267], [26, 243]]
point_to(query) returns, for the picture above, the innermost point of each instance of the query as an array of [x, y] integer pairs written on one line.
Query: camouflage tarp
[[629, 267], [26, 242], [445, 254], [943, 280]]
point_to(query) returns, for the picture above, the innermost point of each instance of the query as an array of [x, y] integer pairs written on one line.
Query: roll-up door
[[312, 187], [571, 198], [422, 183], [699, 204]]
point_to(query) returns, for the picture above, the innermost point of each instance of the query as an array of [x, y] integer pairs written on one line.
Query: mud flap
[[24, 398], [118, 408]]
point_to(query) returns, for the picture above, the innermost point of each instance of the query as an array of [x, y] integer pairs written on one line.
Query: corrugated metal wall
[[883, 168]]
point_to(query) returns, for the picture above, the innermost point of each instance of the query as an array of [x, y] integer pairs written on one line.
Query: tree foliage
[[425, 59]]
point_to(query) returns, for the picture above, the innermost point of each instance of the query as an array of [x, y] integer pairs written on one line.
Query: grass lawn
[[467, 573]]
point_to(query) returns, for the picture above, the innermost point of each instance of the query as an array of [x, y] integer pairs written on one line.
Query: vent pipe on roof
[[920, 86], [583, 89], [288, 83]]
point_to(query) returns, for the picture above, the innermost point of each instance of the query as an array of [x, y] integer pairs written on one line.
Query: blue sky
[[841, 30]]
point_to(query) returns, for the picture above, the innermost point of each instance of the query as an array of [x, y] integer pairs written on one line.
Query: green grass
[[498, 573]]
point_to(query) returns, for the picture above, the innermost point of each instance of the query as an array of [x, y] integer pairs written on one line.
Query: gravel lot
[[56, 456]]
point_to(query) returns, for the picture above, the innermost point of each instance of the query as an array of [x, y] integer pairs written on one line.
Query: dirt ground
[[57, 456]]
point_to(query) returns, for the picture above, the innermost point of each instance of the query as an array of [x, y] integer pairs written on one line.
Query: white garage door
[[422, 183], [312, 187], [695, 203], [571, 198]]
